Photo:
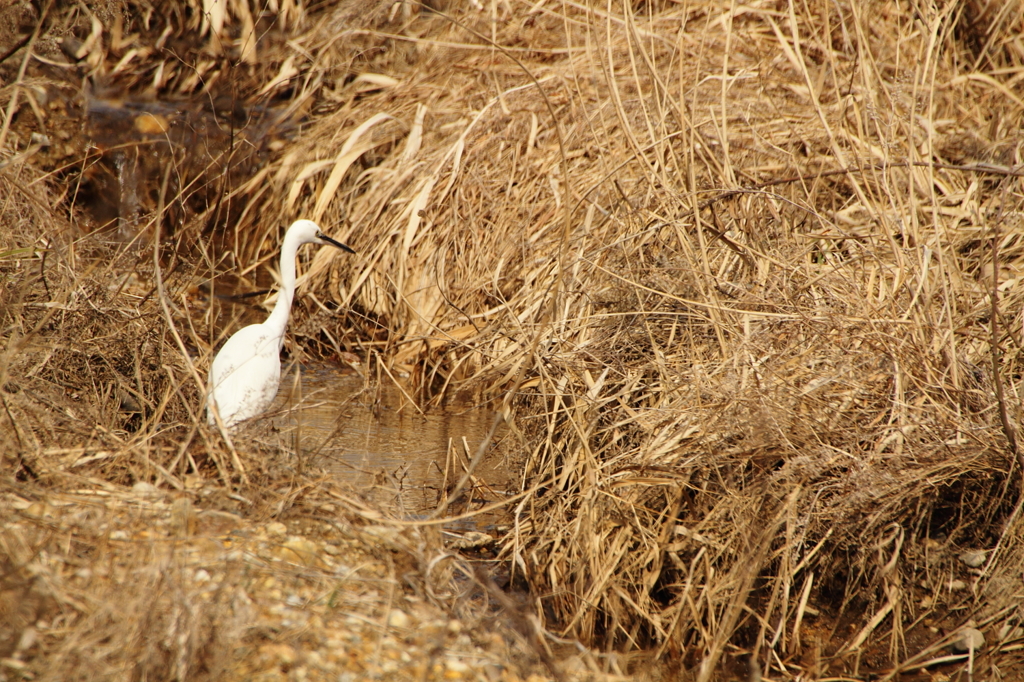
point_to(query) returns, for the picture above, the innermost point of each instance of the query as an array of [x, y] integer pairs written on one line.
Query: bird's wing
[[246, 373]]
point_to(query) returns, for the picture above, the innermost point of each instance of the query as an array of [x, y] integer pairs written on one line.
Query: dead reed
[[744, 280], [768, 372]]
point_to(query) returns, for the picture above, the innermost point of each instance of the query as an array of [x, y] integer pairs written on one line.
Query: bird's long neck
[[277, 321]]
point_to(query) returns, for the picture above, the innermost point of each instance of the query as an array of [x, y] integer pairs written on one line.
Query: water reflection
[[375, 439]]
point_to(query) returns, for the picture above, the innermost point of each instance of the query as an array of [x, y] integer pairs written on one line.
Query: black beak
[[321, 235]]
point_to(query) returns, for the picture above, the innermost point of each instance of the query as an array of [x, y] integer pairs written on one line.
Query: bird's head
[[308, 232]]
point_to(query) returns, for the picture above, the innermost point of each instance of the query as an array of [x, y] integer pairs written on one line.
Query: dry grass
[[757, 372], [745, 281]]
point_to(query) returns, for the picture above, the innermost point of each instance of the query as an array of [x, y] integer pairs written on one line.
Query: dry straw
[[767, 400], [764, 384]]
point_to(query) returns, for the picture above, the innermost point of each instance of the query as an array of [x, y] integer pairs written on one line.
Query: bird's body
[[253, 352], [246, 373]]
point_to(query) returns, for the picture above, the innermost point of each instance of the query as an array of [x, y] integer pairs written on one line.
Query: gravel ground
[[174, 585]]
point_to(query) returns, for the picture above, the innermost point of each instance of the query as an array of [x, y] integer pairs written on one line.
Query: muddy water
[[371, 436], [366, 432]]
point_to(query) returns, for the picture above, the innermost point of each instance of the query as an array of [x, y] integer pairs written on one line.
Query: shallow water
[[373, 438]]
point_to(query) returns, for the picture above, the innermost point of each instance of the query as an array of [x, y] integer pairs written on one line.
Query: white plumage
[[246, 373]]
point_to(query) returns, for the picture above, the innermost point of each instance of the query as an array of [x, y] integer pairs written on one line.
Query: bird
[[246, 373]]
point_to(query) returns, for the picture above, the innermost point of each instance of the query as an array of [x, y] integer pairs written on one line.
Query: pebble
[[284, 654], [299, 550], [144, 488], [493, 672], [276, 528], [385, 533], [399, 619], [455, 670], [1010, 632], [974, 558], [968, 639], [957, 585], [456, 666], [40, 510], [471, 540], [183, 517]]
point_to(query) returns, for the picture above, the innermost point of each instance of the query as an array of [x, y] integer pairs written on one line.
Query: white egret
[[247, 371]]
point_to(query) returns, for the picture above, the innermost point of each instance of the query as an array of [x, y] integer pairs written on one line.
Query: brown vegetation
[[745, 281]]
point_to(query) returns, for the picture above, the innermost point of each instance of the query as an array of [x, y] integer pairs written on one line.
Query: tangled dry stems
[[744, 281], [762, 360]]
